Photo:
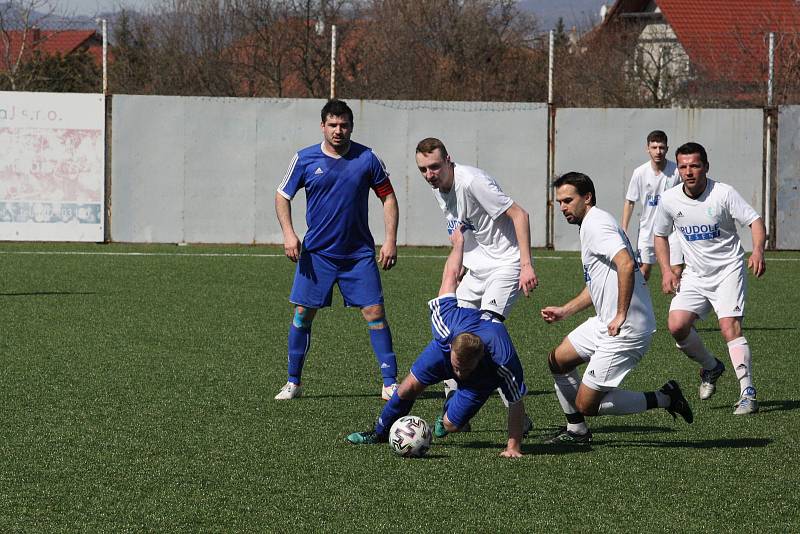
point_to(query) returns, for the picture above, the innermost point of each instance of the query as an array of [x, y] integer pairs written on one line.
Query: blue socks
[[393, 410], [299, 343], [381, 338]]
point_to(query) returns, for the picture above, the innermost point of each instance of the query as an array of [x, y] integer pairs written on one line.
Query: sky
[[574, 12], [92, 7]]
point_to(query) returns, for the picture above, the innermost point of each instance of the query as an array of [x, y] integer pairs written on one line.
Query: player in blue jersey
[[469, 346], [338, 248]]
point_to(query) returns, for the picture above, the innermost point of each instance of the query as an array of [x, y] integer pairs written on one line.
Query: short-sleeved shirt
[[707, 227], [337, 198], [646, 187], [500, 366], [477, 201], [601, 239]]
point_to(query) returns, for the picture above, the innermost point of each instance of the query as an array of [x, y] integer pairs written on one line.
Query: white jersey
[[646, 187], [477, 202], [601, 239], [707, 227]]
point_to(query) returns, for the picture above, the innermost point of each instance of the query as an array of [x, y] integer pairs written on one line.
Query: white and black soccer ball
[[410, 437]]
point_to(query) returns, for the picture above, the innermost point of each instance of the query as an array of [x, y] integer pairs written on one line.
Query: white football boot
[[747, 402], [289, 391]]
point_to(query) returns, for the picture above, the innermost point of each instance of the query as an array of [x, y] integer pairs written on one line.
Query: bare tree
[[446, 50], [20, 33]]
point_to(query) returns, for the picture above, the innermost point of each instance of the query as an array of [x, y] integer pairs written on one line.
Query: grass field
[[137, 382]]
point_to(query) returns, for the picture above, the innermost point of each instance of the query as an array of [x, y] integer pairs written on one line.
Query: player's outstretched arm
[[756, 262], [522, 227], [291, 243], [452, 267], [516, 415], [552, 314], [669, 281], [391, 213]]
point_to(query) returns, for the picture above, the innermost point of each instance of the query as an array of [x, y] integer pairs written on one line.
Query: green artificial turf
[[136, 387]]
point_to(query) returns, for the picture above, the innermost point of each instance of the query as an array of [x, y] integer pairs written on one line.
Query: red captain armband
[[384, 189]]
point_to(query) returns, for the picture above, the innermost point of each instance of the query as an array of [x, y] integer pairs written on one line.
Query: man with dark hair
[[469, 346], [648, 183], [497, 254], [614, 341], [705, 212], [338, 247]]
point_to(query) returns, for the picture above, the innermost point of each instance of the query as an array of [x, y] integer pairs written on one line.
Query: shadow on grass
[[538, 449], [768, 406], [746, 328], [47, 293], [738, 443], [631, 429], [425, 395]]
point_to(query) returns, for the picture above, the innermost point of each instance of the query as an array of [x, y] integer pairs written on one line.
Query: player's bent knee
[[373, 313], [678, 328], [556, 367], [586, 408], [303, 317]]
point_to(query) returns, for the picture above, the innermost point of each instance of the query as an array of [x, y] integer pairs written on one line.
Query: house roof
[[51, 42], [726, 39], [729, 38]]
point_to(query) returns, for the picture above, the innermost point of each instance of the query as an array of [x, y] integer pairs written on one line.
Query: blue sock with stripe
[[381, 338], [299, 343], [393, 410]]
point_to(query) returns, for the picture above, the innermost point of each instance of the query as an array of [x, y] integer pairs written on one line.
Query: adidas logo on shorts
[[737, 309], [591, 372], [493, 302], [680, 214]]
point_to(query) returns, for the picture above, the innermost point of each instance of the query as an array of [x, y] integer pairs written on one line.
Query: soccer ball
[[410, 437]]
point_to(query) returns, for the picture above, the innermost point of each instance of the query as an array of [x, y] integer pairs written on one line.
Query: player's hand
[[457, 235], [388, 255], [757, 264], [616, 324], [291, 247], [527, 279], [670, 282], [512, 452], [551, 314]]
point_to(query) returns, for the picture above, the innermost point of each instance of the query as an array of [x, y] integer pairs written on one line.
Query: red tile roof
[[50, 42], [728, 38]]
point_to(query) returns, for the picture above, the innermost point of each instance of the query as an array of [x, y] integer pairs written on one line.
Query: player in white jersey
[[614, 341], [648, 183], [497, 245], [705, 213]]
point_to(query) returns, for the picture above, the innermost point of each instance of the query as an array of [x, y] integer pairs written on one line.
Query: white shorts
[[495, 290], [610, 358], [646, 252], [725, 296]]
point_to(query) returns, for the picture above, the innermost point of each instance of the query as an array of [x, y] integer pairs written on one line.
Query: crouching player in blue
[[469, 346]]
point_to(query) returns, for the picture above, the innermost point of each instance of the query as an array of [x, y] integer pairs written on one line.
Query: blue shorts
[[359, 281]]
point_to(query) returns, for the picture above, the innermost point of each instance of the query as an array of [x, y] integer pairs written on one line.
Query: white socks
[[693, 347], [742, 361]]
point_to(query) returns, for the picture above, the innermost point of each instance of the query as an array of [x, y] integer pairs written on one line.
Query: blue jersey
[[500, 366], [337, 195]]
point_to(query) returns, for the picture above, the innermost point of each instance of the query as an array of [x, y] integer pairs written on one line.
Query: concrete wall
[[188, 169], [192, 169], [787, 197], [607, 144]]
